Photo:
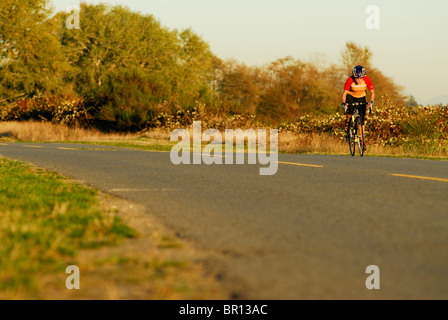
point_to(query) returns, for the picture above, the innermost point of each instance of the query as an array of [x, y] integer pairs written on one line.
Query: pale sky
[[411, 45]]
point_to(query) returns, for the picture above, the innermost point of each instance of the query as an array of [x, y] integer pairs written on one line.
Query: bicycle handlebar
[[356, 106]]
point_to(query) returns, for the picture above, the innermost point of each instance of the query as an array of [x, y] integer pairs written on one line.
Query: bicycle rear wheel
[[351, 138]]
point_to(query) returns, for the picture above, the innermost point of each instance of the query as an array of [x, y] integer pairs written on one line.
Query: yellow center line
[[419, 177], [3, 144], [214, 155], [33, 146], [143, 190], [209, 155], [90, 149], [301, 164], [62, 148]]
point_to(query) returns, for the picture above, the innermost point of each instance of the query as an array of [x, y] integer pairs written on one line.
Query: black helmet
[[359, 72]]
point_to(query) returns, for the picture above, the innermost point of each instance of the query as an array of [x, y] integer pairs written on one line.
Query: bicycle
[[354, 136]]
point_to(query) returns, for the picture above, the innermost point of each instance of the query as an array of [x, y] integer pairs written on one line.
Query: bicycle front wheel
[[360, 138], [351, 138]]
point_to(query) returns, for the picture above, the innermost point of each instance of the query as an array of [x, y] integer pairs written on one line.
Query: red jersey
[[358, 90]]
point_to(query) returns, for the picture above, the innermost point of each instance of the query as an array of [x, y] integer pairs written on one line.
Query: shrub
[[59, 110]]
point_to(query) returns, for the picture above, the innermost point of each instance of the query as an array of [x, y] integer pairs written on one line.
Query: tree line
[[127, 67]]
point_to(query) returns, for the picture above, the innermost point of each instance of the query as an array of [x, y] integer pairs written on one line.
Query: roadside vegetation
[[48, 223], [44, 221], [125, 71], [392, 130], [126, 80]]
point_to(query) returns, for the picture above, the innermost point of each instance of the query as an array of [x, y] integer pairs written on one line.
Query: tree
[[114, 38], [129, 64], [354, 55], [299, 88], [195, 68], [385, 87], [410, 101], [240, 87], [31, 58]]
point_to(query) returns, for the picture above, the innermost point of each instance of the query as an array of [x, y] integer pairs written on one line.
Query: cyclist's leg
[[362, 116], [347, 121], [349, 100]]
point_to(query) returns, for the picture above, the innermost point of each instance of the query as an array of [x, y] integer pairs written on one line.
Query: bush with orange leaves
[[59, 110], [417, 129]]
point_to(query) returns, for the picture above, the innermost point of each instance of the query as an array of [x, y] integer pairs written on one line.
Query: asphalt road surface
[[307, 232]]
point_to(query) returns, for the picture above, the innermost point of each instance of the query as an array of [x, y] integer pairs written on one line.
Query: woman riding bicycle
[[355, 92]]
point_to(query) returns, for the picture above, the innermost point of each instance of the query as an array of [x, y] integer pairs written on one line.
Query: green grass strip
[[44, 221]]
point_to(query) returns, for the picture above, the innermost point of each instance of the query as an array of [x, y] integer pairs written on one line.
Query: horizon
[[258, 32]]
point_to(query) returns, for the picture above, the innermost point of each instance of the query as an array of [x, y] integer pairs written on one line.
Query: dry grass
[[319, 143], [289, 142], [310, 143], [323, 144], [47, 132]]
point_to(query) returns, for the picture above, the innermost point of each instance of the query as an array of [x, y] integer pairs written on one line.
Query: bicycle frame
[[356, 131]]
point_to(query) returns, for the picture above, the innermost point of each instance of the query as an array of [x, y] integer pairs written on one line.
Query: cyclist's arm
[[372, 98], [372, 95], [344, 96], [369, 84], [347, 86]]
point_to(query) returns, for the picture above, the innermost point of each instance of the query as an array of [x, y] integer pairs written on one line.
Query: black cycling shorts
[[350, 100]]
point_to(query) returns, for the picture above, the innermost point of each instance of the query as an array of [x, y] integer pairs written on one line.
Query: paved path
[[307, 232]]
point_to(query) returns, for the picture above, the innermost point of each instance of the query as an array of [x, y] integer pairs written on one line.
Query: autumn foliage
[[126, 72]]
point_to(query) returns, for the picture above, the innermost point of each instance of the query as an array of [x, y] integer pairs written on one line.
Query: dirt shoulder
[[154, 266]]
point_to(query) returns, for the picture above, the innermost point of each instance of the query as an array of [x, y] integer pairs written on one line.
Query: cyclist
[[355, 92]]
